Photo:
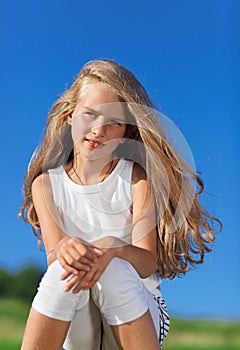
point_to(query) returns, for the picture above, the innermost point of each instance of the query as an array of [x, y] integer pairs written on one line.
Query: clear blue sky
[[186, 54]]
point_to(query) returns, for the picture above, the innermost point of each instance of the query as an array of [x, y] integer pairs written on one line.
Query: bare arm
[[73, 254], [142, 253]]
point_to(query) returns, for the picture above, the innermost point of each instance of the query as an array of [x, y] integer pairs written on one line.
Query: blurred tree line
[[22, 284]]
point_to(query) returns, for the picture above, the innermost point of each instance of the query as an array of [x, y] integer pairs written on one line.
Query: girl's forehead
[[96, 93], [99, 99]]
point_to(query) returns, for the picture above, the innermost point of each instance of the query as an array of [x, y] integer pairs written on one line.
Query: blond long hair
[[183, 236]]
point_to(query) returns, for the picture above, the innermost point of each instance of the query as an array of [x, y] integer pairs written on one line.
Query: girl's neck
[[90, 172]]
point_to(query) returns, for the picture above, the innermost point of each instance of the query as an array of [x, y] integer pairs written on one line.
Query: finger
[[65, 275], [77, 249], [73, 250], [71, 283], [74, 259], [77, 254], [82, 285], [88, 253], [66, 266], [87, 278], [93, 281], [98, 252], [83, 261], [82, 266], [71, 257]]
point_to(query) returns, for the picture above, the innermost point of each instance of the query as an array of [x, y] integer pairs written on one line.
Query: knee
[[119, 279], [118, 276], [52, 276], [119, 293], [51, 299]]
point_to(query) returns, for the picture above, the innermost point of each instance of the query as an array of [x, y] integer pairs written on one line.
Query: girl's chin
[[95, 153]]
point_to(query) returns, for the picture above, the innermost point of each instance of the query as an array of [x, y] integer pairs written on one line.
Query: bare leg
[[44, 333], [138, 334]]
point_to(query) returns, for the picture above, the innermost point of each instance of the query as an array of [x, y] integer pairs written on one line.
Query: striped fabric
[[164, 321]]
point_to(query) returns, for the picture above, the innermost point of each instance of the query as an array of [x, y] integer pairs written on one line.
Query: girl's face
[[98, 123]]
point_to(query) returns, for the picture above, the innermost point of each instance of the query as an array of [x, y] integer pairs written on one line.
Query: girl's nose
[[99, 130]]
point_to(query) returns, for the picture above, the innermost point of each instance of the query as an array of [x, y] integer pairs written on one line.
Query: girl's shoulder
[[40, 180], [44, 179], [41, 184]]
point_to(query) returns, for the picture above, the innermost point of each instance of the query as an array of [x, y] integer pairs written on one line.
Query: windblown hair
[[184, 235]]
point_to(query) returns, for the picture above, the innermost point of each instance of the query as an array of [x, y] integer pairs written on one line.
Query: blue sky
[[186, 54]]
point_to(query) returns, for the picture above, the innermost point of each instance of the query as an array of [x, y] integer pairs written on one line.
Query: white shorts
[[119, 296]]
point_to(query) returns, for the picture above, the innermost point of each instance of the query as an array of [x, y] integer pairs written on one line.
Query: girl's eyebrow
[[90, 109]]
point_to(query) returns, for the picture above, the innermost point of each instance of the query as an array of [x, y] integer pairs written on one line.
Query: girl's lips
[[93, 144]]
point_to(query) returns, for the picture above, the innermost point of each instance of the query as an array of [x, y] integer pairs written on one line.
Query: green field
[[184, 335], [13, 315], [206, 335]]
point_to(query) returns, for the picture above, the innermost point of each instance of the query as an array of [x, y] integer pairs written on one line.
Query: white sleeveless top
[[95, 211]]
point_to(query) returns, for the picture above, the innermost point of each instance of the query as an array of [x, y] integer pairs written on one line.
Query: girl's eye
[[90, 115], [115, 122]]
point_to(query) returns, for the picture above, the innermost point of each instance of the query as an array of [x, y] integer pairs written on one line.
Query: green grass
[[13, 316], [202, 347], [10, 345], [183, 335], [203, 335]]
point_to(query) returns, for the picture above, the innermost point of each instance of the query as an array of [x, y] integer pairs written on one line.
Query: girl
[[115, 207]]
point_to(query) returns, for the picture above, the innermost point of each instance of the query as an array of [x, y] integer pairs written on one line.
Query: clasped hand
[[83, 263]]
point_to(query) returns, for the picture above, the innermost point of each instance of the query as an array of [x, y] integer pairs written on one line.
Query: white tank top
[[95, 211]]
